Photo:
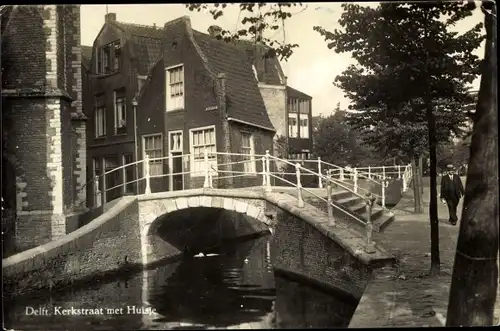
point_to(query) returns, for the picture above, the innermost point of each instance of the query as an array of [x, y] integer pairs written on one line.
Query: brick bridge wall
[[126, 236]]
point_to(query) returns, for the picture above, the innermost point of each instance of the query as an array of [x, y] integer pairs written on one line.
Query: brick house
[[42, 120], [289, 110], [188, 97]]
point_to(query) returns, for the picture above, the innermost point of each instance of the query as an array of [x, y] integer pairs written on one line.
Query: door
[[176, 160]]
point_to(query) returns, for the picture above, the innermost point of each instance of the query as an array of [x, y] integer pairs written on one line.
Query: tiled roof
[[273, 74], [245, 102], [291, 92], [145, 42], [86, 55]]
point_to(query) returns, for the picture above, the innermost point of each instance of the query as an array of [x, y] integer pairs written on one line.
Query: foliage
[[256, 18], [411, 79], [395, 80], [335, 141]]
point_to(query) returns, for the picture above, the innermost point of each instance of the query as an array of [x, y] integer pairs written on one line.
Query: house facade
[[289, 110], [42, 120], [184, 92], [117, 63]]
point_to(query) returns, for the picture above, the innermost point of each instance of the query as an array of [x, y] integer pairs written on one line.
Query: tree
[[256, 19], [402, 86], [335, 141], [475, 272]]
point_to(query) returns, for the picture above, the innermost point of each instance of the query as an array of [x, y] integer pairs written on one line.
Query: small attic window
[[255, 72], [174, 45]]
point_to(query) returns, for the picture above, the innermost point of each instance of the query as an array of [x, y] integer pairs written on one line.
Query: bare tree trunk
[[433, 211], [417, 196], [475, 273]]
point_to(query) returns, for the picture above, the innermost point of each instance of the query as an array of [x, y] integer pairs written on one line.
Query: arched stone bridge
[[132, 233]]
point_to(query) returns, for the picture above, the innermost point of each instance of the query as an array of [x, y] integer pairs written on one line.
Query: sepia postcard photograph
[[249, 165]]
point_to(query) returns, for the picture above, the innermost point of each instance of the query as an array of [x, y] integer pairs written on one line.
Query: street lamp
[[134, 105]]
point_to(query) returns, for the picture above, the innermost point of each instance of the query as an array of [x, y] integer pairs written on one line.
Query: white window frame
[[250, 166], [153, 165], [170, 151], [197, 168], [293, 131], [120, 116], [100, 110], [178, 103], [304, 130]]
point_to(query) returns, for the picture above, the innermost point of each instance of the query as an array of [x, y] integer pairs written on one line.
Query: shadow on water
[[231, 288], [235, 287]]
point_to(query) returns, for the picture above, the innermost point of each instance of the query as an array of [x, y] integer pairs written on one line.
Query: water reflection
[[235, 288]]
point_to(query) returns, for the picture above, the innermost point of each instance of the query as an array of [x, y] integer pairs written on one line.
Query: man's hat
[[450, 167]]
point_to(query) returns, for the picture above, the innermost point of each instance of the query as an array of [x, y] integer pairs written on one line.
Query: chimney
[[154, 25], [214, 30], [110, 17]]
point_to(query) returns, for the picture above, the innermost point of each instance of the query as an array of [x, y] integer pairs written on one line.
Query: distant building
[[42, 120]]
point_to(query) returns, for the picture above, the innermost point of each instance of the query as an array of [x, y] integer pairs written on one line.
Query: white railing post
[[264, 175], [383, 192], [342, 178], [399, 171], [103, 187], [331, 219], [355, 174], [268, 172], [370, 246], [210, 179], [369, 172], [299, 185], [97, 192], [205, 162], [320, 181], [147, 190]]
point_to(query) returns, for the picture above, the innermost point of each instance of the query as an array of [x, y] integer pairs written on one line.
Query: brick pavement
[[409, 296]]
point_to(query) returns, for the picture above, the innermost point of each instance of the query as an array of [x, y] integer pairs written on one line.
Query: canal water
[[233, 286]]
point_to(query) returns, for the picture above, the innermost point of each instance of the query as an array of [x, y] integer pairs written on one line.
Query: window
[[292, 125], [247, 147], [153, 147], [108, 58], [175, 88], [100, 121], [120, 112], [128, 173], [202, 139], [304, 126]]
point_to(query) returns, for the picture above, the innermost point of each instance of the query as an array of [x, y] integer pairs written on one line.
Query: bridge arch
[[151, 212]]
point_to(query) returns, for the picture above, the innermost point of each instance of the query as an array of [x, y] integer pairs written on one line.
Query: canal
[[233, 286]]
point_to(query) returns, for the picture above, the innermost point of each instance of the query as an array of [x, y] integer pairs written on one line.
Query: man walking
[[451, 192]]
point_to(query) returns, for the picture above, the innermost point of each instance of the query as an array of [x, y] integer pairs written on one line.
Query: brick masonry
[[126, 235], [42, 87], [91, 250]]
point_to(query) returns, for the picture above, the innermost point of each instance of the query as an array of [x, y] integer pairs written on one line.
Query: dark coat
[[451, 189]]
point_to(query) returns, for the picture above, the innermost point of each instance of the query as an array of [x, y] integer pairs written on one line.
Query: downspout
[[226, 138]]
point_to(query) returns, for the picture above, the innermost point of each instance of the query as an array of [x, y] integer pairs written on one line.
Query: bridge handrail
[[357, 218], [338, 183]]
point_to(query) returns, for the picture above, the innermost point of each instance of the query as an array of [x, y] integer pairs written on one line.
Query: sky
[[311, 69]]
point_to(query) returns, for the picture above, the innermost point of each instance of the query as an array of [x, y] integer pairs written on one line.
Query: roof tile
[[245, 102], [146, 43]]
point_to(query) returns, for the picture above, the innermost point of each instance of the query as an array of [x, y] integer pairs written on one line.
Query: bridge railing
[[263, 170]]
